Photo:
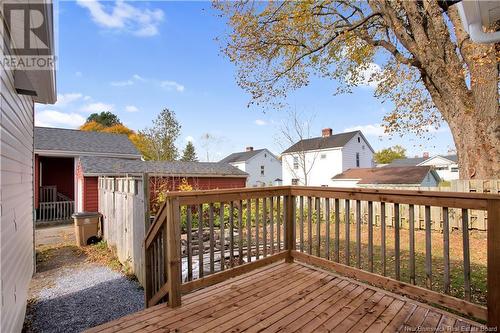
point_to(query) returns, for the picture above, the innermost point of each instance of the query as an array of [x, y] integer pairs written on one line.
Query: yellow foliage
[[92, 126], [119, 129], [185, 186]]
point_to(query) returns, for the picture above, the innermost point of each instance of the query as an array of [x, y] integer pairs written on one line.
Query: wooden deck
[[291, 298]]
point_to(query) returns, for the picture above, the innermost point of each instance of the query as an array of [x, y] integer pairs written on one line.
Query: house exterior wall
[[356, 145], [345, 183], [272, 169], [446, 169], [90, 194], [324, 164], [59, 171], [16, 200]]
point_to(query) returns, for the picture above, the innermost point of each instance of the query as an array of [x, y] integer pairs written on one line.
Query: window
[[262, 170], [359, 139], [454, 169], [441, 168], [295, 181], [357, 160], [295, 162], [323, 156]]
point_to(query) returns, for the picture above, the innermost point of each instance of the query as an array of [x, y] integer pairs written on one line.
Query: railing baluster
[[222, 237], [309, 224], [240, 232], [428, 248], [446, 249], [370, 236], [188, 245], [231, 234], [301, 223], [257, 227], [271, 224], [249, 230], [336, 244], [358, 233], [397, 257], [327, 228], [466, 252], [318, 227], [382, 238], [201, 247], [212, 237], [278, 222], [264, 226], [411, 230], [347, 217]]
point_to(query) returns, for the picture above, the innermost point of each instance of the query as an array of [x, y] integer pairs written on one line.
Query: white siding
[[323, 165], [349, 154], [272, 169], [16, 200], [443, 167]]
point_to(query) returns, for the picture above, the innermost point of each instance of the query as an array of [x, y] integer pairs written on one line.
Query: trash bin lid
[[85, 214]]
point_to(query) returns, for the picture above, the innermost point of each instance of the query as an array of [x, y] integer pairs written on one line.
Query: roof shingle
[[75, 141], [241, 156], [118, 166], [332, 141], [394, 175]]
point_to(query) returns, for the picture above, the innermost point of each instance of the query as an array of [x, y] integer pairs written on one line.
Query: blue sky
[[135, 58]]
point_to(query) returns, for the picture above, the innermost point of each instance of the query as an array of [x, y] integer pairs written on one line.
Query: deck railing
[[48, 193], [204, 237], [55, 211]]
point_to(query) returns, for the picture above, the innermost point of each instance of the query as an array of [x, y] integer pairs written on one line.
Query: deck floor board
[[285, 297]]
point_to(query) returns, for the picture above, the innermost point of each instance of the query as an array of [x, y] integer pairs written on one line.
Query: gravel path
[[73, 298]]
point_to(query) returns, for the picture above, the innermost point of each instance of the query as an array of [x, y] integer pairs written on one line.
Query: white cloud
[[367, 76], [52, 118], [97, 107], [131, 108], [189, 138], [65, 99], [260, 122], [370, 129], [138, 77], [122, 83], [124, 17], [170, 85]]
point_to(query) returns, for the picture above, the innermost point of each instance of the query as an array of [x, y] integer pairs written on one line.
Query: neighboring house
[[445, 165], [19, 91], [200, 175], [58, 192], [404, 176], [262, 166], [323, 157]]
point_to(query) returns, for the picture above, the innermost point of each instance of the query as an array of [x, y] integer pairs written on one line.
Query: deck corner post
[[173, 252], [290, 226], [493, 276]]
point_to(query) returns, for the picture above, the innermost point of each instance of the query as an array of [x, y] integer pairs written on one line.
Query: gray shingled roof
[[96, 165], [75, 141], [241, 156], [333, 141], [417, 160]]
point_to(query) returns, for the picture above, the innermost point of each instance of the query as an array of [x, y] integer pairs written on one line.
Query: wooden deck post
[[290, 226], [173, 253], [493, 263]]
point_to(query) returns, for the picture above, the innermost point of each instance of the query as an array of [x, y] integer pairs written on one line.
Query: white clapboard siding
[[16, 200]]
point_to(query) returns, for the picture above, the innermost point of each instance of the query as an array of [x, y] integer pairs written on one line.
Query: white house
[[445, 165], [262, 166], [315, 161], [404, 176], [20, 89]]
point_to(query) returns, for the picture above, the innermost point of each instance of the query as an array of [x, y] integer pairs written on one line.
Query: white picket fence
[[122, 203]]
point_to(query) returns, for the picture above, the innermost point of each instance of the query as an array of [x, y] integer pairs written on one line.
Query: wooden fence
[[477, 219], [124, 205]]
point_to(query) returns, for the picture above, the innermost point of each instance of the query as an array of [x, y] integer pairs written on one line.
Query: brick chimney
[[249, 149], [326, 132], [425, 154]]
